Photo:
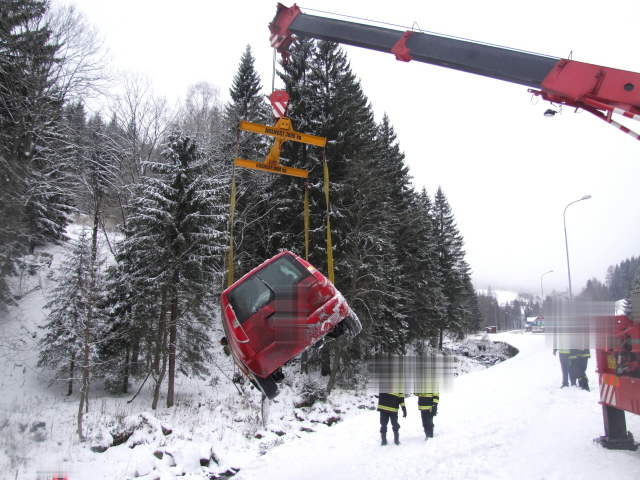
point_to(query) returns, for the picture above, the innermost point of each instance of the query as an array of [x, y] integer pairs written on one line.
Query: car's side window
[[258, 290], [281, 272], [249, 297]]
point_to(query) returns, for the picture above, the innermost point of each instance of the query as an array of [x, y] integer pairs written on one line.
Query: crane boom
[[599, 90]]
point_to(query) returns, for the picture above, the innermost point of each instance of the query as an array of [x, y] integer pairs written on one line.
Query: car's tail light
[[317, 275], [237, 330]]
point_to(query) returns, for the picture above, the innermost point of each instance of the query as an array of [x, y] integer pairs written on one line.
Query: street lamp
[[566, 244], [542, 289]]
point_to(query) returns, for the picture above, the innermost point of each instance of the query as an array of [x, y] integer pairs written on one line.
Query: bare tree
[[82, 70], [139, 120]]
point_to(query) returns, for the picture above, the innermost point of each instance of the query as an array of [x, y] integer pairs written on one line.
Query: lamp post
[[542, 289], [566, 244]]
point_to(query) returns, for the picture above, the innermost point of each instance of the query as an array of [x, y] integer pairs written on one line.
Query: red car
[[279, 310]]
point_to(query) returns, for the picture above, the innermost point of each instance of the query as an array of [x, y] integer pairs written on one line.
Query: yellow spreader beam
[[282, 131], [267, 167]]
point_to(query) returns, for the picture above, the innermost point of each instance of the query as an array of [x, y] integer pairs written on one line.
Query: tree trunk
[[336, 364], [162, 339], [325, 358], [156, 355], [127, 361], [173, 334], [135, 356], [71, 367], [84, 392], [304, 358]]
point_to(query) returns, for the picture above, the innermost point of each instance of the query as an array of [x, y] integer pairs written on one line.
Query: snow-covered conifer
[[175, 242], [453, 268], [62, 346]]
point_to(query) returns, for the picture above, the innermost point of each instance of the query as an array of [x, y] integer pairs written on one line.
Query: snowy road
[[509, 421]]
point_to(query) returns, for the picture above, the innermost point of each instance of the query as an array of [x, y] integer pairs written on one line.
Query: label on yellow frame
[[282, 130], [273, 168]]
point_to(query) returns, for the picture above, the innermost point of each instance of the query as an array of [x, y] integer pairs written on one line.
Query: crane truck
[[601, 91]]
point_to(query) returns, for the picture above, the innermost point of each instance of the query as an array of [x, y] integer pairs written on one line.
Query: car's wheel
[[339, 330], [278, 375], [352, 324], [349, 325], [268, 386]]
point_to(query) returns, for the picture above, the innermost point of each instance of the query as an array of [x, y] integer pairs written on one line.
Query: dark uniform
[[428, 406], [579, 359], [565, 364], [388, 406]]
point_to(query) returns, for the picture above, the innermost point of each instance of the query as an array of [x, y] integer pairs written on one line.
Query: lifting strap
[[282, 131], [326, 194], [306, 220], [232, 206], [231, 220], [233, 209]]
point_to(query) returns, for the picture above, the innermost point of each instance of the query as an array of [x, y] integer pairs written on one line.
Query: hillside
[[507, 421]]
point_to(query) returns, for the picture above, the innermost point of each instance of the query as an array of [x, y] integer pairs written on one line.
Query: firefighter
[[388, 406], [428, 406], [579, 361], [567, 371]]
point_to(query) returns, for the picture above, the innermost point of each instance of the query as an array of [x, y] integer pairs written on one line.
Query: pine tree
[[32, 210], [62, 347], [252, 205], [286, 229], [453, 268], [175, 243], [473, 317], [47, 55], [619, 278], [325, 100], [425, 279], [594, 291], [365, 254], [634, 289]]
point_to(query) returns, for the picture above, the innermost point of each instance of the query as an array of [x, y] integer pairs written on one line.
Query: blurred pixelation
[[411, 373]]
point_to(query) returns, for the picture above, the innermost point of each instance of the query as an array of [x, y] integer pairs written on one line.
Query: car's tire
[[268, 386], [352, 325]]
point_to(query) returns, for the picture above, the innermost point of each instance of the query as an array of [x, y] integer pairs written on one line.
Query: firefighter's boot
[[583, 383], [428, 432], [396, 437], [383, 436]]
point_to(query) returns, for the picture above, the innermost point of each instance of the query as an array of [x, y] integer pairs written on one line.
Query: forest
[[137, 296]]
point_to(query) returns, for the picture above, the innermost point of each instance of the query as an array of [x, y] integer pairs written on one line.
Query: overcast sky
[[507, 171]]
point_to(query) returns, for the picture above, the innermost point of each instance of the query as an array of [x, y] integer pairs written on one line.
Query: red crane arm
[[596, 89]]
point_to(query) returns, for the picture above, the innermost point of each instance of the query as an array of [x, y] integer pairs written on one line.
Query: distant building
[[535, 324]]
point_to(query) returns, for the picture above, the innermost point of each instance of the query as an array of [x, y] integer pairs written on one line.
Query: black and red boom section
[[596, 89]]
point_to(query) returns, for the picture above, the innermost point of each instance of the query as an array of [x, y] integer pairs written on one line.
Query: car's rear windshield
[[258, 290]]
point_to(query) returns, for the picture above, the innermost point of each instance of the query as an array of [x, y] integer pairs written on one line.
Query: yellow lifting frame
[[282, 131]]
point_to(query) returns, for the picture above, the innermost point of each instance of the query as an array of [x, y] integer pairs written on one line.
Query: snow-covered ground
[[508, 421], [511, 421]]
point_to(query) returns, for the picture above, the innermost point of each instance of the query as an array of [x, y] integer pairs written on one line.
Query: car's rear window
[[258, 290]]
